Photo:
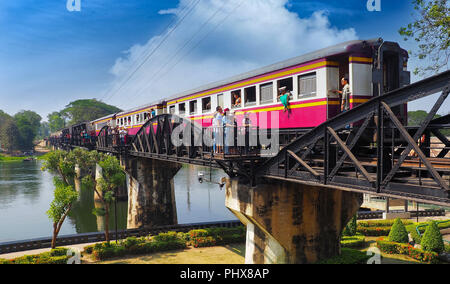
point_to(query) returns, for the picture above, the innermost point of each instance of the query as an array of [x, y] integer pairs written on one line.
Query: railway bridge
[[297, 192]]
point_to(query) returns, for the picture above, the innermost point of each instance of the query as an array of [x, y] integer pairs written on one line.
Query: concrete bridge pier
[[151, 192], [290, 222]]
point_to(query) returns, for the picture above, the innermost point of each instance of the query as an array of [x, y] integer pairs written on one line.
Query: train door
[[334, 101]]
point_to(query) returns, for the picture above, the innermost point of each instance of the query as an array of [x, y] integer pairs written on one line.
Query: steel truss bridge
[[367, 149]]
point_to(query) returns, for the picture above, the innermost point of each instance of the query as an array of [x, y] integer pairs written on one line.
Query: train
[[373, 67]]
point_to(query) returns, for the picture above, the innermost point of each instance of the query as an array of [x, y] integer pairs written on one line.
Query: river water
[[26, 193]]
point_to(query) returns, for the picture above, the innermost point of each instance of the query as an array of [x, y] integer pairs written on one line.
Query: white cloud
[[236, 39]]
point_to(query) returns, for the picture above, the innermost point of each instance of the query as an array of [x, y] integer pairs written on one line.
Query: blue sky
[[50, 56]]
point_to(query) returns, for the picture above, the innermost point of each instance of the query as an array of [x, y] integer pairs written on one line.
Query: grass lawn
[[229, 254]]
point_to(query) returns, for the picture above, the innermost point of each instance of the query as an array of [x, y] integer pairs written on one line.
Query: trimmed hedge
[[418, 239], [167, 241], [406, 249], [398, 233], [136, 246], [432, 239], [353, 241], [348, 256], [55, 256], [382, 223], [374, 231], [216, 236]]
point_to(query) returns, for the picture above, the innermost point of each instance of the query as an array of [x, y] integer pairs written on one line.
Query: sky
[[130, 53]]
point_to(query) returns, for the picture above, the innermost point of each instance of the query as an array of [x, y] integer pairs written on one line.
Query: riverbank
[[10, 159]]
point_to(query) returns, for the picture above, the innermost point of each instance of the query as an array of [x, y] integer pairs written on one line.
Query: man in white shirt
[[346, 92]]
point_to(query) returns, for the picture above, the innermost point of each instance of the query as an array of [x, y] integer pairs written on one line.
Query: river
[[26, 193]]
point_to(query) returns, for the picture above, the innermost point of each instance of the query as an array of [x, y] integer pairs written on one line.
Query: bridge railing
[[379, 155]]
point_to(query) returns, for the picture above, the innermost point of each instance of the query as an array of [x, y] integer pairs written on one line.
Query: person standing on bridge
[[217, 129], [228, 126]]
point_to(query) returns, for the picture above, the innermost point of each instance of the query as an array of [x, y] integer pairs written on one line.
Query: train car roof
[[354, 46]]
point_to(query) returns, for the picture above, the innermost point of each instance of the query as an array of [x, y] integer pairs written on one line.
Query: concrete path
[[12, 255]]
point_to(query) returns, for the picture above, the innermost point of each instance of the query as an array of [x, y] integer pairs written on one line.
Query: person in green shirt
[[284, 98]]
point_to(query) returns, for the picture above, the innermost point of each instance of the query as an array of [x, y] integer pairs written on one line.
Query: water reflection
[[26, 193]]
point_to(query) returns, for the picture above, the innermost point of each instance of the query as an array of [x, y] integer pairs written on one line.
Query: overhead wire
[[199, 42], [193, 4]]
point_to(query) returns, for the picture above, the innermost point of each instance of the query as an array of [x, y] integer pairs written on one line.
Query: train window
[[288, 83], [182, 108], [137, 118], [206, 104], [193, 107], [129, 120], [236, 99], [250, 96], [266, 93], [220, 100], [307, 85], [121, 121], [172, 109]]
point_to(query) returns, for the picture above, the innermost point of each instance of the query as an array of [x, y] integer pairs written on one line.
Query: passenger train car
[[310, 78]]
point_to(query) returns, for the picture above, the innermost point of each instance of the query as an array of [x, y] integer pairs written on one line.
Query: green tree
[[56, 121], [398, 232], [64, 197], [9, 133], [28, 123], [44, 130], [430, 29], [112, 177], [87, 110], [350, 228], [62, 164], [432, 238]]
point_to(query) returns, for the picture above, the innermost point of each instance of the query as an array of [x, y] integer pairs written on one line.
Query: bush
[[56, 256], [59, 252], [374, 231], [167, 237], [382, 223], [216, 236], [432, 239], [353, 241], [351, 228], [136, 246], [348, 256], [406, 249], [447, 248], [398, 232]]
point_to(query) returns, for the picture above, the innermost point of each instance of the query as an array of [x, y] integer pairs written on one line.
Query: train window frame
[[246, 101], [205, 108], [261, 86], [291, 89], [220, 100], [193, 107], [308, 76], [182, 112], [172, 109], [233, 101]]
